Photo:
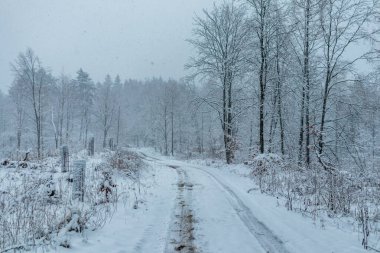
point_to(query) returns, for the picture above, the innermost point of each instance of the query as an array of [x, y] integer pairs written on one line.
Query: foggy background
[[134, 38]]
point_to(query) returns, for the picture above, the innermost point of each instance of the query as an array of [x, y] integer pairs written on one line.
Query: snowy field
[[199, 126], [38, 210], [252, 222], [186, 206]]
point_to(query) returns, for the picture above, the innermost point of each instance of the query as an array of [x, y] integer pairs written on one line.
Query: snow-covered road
[[194, 208], [229, 219], [220, 214]]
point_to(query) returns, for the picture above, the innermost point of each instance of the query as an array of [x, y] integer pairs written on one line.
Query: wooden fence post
[[79, 168], [65, 159], [91, 147], [110, 144]]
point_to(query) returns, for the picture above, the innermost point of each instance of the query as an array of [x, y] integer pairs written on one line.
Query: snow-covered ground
[[143, 229], [187, 207]]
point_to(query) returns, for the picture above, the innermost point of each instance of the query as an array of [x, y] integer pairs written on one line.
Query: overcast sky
[[133, 38]]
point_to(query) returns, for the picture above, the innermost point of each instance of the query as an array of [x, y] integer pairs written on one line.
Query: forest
[[290, 89], [267, 77]]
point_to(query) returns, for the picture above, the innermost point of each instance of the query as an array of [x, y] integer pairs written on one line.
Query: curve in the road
[[267, 239]]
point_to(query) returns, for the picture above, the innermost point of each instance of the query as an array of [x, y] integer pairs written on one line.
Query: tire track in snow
[[139, 247], [180, 235], [267, 239]]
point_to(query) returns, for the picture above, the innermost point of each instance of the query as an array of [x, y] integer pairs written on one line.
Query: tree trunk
[[18, 139], [67, 125], [262, 77], [118, 127], [229, 122], [38, 139], [261, 117], [324, 107], [273, 121], [172, 128], [282, 135], [227, 117], [301, 133], [307, 83], [165, 130], [104, 138]]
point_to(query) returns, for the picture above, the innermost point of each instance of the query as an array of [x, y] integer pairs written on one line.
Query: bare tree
[[343, 23], [305, 44], [280, 61], [61, 96], [117, 91], [28, 69], [221, 40], [164, 102], [106, 108], [64, 91], [17, 94], [263, 24]]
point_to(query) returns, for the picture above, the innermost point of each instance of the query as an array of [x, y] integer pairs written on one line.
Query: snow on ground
[[219, 227], [143, 229], [209, 207], [218, 219], [298, 233]]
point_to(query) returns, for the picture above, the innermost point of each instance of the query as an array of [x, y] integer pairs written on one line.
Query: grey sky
[[133, 38]]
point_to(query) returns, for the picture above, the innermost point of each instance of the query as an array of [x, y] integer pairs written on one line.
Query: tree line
[[284, 76], [42, 112], [266, 77]]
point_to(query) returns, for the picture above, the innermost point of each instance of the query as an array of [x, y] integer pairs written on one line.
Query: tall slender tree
[[27, 69], [343, 23], [221, 40]]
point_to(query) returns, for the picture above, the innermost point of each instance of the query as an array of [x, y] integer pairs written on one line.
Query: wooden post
[[65, 159], [363, 217], [91, 146], [110, 144], [79, 168]]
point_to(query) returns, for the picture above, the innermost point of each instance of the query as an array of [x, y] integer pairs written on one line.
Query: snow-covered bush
[[127, 161], [265, 169], [315, 191], [36, 204]]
